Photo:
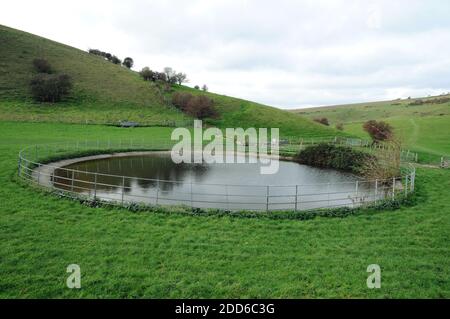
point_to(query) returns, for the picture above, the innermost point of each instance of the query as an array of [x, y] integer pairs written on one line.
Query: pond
[[153, 178]]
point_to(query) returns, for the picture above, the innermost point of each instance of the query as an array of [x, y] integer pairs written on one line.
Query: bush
[[201, 107], [128, 62], [42, 66], [337, 157], [197, 106], [50, 87], [323, 121], [181, 100], [340, 126], [378, 130], [116, 60], [147, 74]]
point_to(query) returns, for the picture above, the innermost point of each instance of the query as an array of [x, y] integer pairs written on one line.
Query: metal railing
[[117, 189]]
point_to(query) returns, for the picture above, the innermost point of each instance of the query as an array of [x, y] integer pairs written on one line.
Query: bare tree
[[181, 78], [170, 74], [205, 88]]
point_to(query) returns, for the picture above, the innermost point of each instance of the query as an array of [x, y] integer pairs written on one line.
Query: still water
[[154, 179]]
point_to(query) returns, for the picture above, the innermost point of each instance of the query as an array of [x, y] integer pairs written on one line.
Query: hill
[[422, 123], [105, 93]]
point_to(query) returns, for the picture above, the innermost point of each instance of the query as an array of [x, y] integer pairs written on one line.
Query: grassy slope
[[107, 93], [103, 92], [423, 128], [122, 254], [242, 113]]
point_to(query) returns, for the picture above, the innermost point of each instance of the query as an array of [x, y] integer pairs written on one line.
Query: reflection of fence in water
[[118, 189]]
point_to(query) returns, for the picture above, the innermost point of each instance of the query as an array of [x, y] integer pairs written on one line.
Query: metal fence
[[117, 189]]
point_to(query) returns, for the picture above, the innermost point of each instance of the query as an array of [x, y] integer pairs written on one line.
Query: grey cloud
[[284, 53]]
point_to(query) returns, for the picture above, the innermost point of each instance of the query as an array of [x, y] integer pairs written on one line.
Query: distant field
[[423, 128], [160, 255]]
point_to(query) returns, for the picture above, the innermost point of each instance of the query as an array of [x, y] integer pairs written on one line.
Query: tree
[[201, 107], [115, 60], [42, 66], [170, 74], [181, 78], [197, 87], [128, 62], [147, 74], [50, 87], [181, 100], [205, 88], [378, 130]]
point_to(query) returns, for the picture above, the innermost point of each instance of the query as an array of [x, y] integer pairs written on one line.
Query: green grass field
[[422, 128], [126, 255], [167, 254]]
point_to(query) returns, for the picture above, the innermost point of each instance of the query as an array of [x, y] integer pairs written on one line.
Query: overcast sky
[[282, 53]]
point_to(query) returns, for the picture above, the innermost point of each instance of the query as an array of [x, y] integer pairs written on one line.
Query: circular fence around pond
[[38, 164]]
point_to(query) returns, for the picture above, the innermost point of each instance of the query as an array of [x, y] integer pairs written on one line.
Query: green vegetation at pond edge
[[336, 157], [126, 255]]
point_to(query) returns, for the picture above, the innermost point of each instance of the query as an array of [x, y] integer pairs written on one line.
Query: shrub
[[378, 130], [340, 126], [201, 107], [147, 74], [42, 66], [181, 100], [116, 60], [323, 121], [50, 87], [337, 157], [128, 62], [197, 106]]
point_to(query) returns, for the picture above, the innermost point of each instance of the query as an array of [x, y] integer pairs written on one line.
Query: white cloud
[[282, 53]]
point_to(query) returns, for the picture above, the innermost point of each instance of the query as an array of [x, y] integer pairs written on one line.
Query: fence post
[[192, 197], [267, 198], [376, 189], [228, 201], [39, 174], [19, 166], [123, 187], [393, 188], [296, 197], [95, 185], [157, 191], [406, 185], [73, 177], [328, 194]]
